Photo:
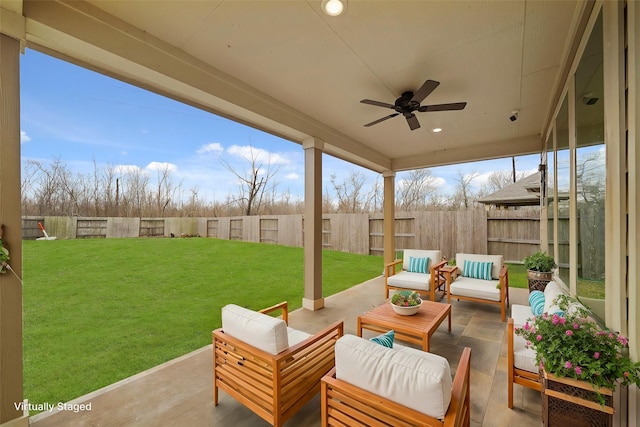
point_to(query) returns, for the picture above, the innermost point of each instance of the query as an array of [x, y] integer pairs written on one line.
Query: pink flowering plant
[[575, 346], [406, 299]]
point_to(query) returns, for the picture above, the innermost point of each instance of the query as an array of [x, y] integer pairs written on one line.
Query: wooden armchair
[[429, 283], [274, 386], [344, 404], [494, 290]]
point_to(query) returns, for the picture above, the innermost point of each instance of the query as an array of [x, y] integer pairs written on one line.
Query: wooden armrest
[[504, 282], [460, 406], [439, 265], [284, 305], [391, 267], [504, 271], [510, 330]]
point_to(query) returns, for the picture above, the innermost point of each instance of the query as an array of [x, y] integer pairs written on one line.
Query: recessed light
[[436, 130], [334, 7]]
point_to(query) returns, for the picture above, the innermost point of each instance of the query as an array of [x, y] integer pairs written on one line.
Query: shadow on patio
[[180, 392]]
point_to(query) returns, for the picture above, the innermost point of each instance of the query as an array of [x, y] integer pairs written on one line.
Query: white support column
[[616, 231], [11, 392], [389, 209], [633, 156], [573, 206], [616, 165], [313, 299]]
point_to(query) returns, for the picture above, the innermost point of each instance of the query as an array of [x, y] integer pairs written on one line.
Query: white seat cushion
[[259, 330], [410, 377], [295, 336], [476, 288], [406, 279], [520, 314], [523, 358]]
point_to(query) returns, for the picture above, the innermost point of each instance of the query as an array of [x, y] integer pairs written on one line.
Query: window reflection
[[590, 167]]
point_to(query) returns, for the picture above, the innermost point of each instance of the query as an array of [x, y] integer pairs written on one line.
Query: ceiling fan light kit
[[409, 102]]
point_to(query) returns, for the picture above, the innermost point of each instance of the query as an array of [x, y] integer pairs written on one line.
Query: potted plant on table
[[539, 270], [406, 303], [578, 359]]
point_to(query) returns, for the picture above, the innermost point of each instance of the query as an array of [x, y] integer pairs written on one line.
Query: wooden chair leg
[[510, 390]]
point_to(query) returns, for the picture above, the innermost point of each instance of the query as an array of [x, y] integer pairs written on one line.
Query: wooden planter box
[[573, 403]]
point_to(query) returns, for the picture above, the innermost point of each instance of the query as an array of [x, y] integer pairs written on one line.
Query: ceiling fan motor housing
[[405, 105]]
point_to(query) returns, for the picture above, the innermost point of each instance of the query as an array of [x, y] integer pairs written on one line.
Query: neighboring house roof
[[525, 192]]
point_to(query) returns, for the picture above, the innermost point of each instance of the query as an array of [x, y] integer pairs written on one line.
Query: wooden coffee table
[[416, 329]]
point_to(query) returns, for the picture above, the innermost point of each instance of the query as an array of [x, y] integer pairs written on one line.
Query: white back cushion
[[551, 291], [434, 257], [497, 261], [259, 330], [410, 377]]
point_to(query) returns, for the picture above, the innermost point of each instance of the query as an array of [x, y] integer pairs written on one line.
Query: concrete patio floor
[[180, 392]]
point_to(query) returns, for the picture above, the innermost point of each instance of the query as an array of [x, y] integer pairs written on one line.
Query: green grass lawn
[[518, 276], [97, 311]]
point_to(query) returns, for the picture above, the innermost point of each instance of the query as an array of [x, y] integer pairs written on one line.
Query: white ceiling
[[287, 68]]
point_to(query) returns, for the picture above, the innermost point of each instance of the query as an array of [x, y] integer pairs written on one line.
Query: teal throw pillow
[[418, 265], [385, 340], [477, 269], [536, 302]]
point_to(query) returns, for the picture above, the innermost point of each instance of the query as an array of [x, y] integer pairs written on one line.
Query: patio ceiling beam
[[87, 36], [447, 156]]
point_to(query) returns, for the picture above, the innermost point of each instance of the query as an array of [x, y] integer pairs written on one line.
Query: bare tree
[[349, 193], [375, 197], [416, 190], [165, 189], [110, 184], [464, 195], [253, 183], [135, 184]]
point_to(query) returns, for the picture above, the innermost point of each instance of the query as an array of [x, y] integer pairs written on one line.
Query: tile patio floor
[[180, 392]]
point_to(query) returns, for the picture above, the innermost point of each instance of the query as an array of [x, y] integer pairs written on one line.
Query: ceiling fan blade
[[443, 107], [378, 103], [381, 120], [424, 91], [413, 121]]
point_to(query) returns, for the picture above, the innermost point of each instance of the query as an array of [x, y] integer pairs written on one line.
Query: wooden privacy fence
[[514, 234]]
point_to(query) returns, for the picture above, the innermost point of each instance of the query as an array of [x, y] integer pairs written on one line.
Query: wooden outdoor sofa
[[373, 385], [270, 368]]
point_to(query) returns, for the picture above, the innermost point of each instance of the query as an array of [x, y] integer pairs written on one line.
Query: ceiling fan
[[410, 102]]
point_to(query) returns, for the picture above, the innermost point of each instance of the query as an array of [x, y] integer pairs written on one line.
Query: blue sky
[[82, 117]]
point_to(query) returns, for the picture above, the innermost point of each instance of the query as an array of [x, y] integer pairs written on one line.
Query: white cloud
[[161, 166], [213, 147], [481, 179], [248, 152], [292, 176], [24, 137], [438, 181]]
